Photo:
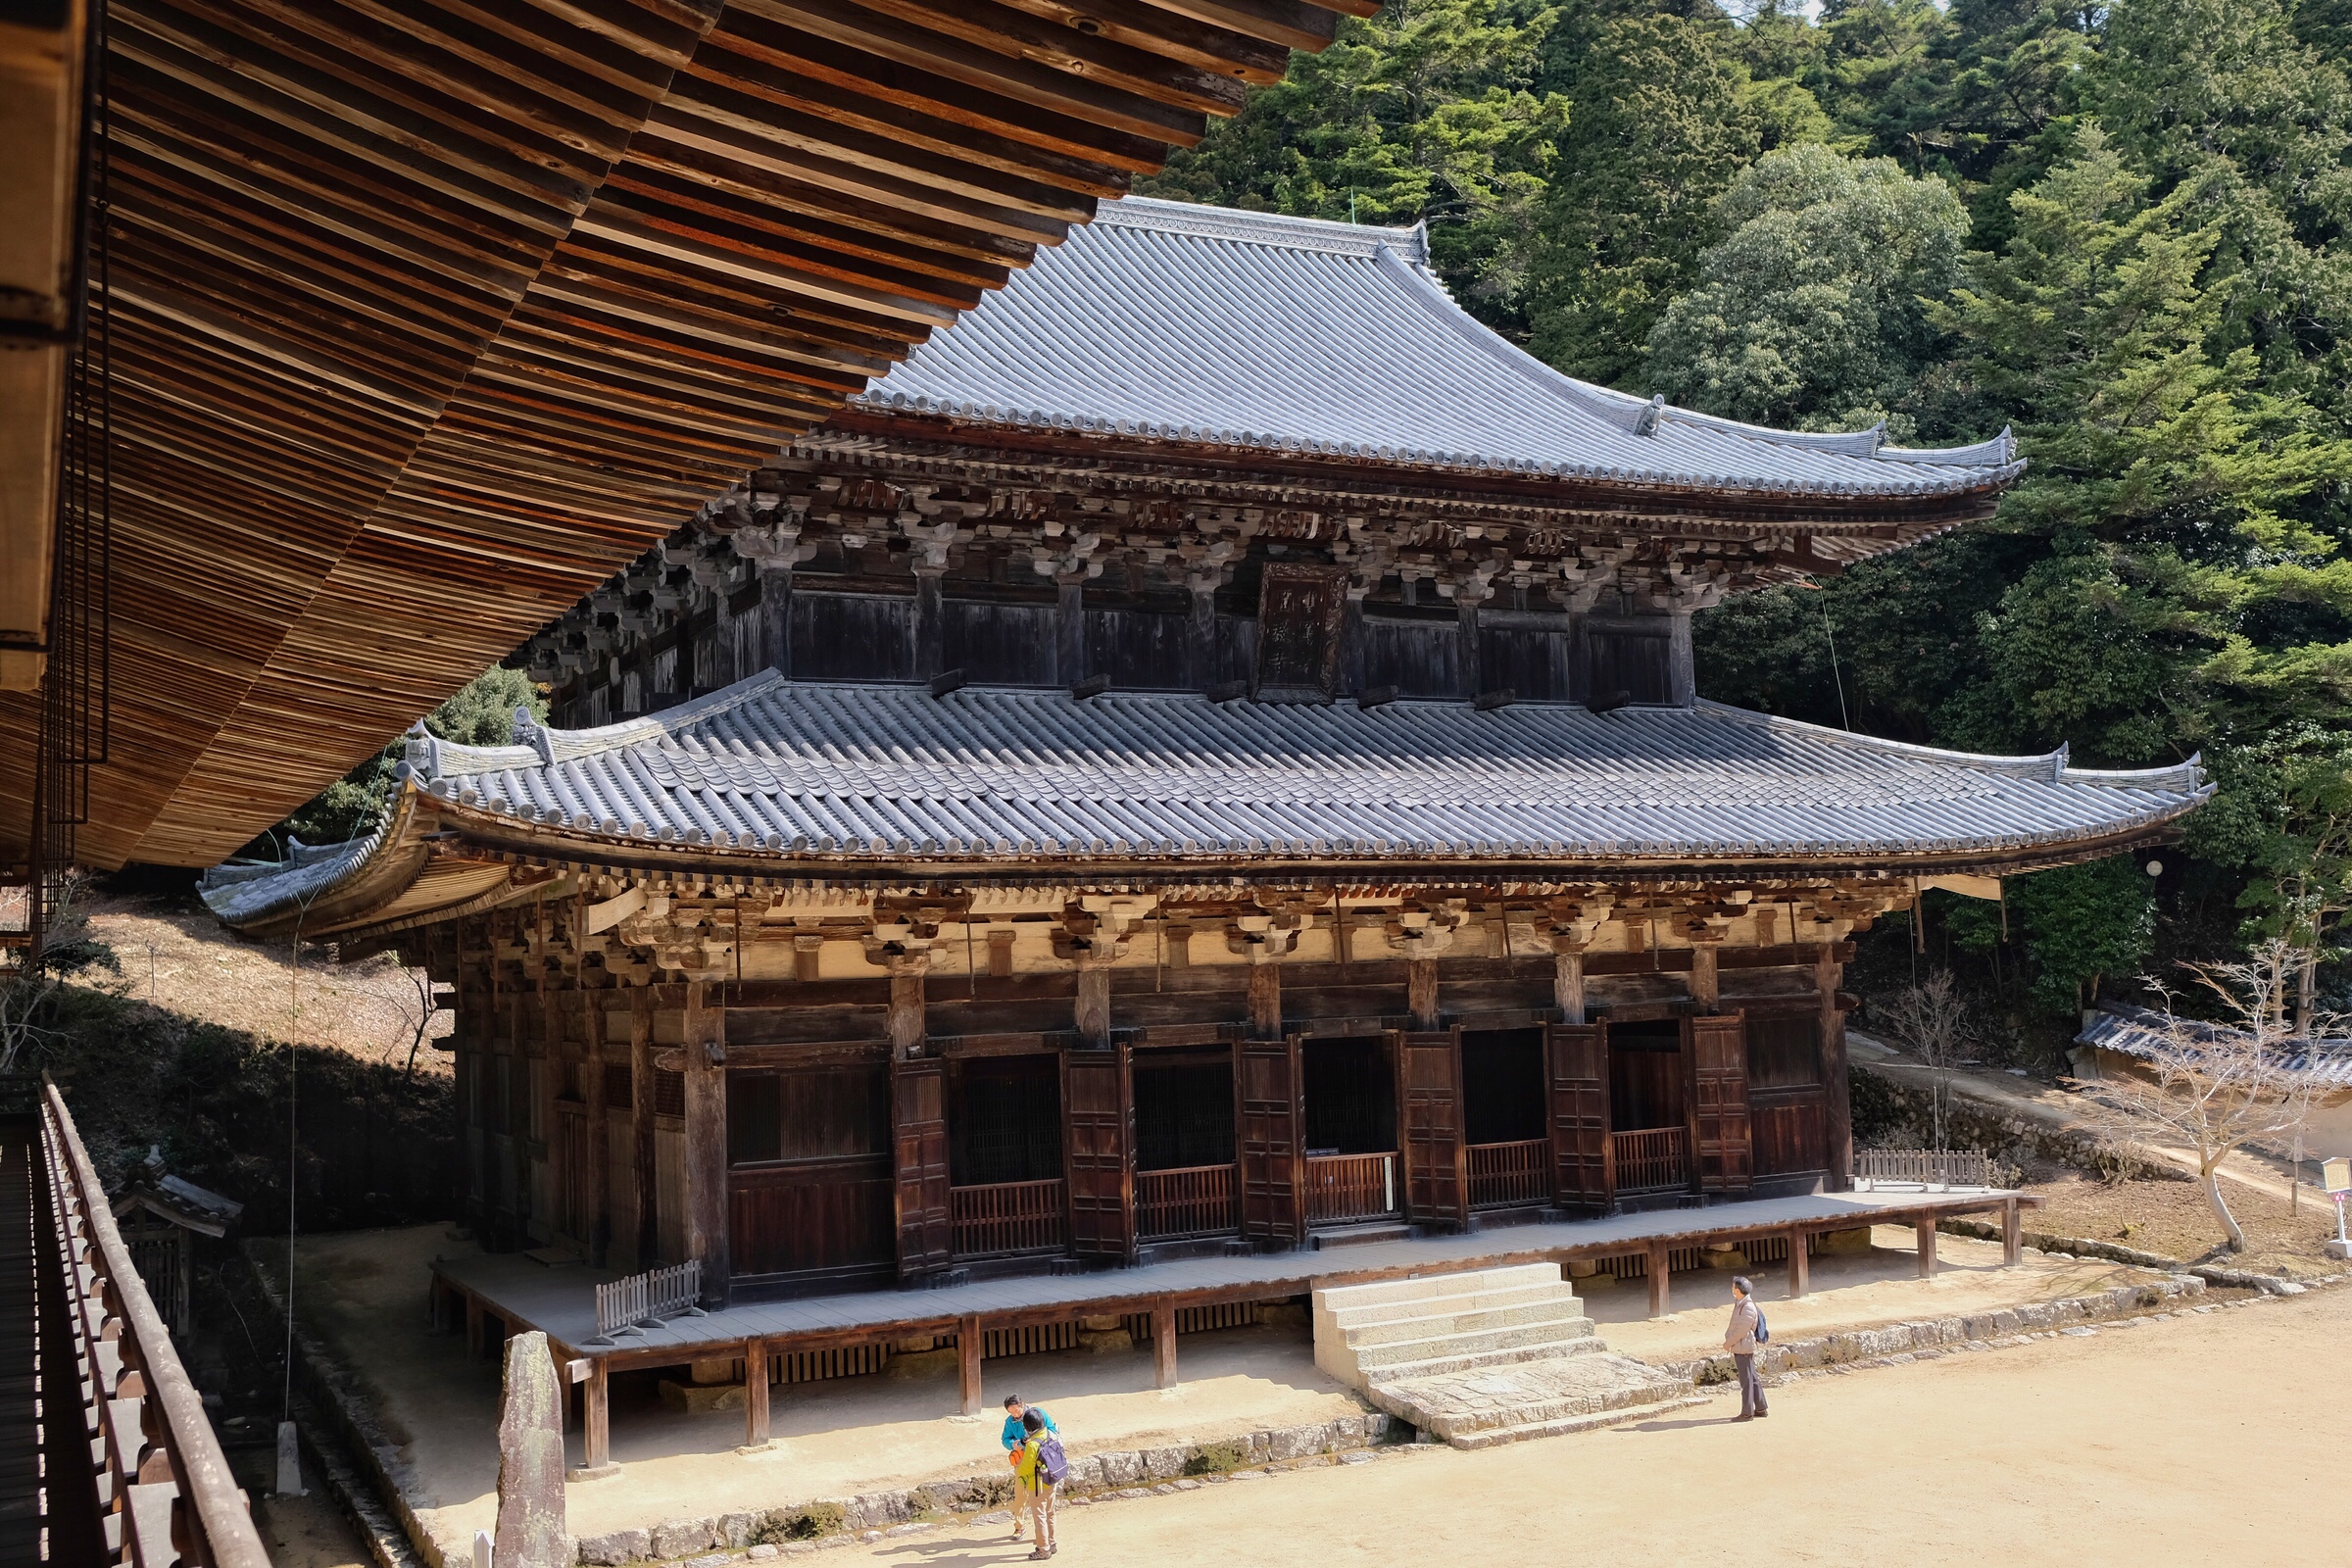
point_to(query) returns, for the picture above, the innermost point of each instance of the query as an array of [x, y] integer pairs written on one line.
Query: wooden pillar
[[1421, 992], [1069, 629], [1092, 1016], [1265, 997], [563, 1399], [1706, 983], [705, 1196], [1568, 981], [930, 620], [1682, 670], [775, 620], [2013, 1235], [907, 1024], [1466, 671], [755, 1394], [641, 1123], [1923, 1231], [1200, 630], [1661, 1290], [595, 1421], [1836, 1093], [600, 1133], [1352, 641], [1163, 1344], [1800, 1267], [967, 1365], [475, 1327]]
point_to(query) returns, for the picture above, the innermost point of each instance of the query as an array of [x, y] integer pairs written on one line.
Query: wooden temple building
[[1203, 759]]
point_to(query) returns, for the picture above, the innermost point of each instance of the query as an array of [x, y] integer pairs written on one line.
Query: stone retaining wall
[[1937, 1334], [1972, 1123], [2084, 1247]]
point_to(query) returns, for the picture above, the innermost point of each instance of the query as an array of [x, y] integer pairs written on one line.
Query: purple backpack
[[1051, 1462]]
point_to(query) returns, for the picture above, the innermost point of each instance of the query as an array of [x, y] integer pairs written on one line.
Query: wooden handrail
[[173, 1485], [1186, 1201], [1006, 1217], [1651, 1159], [1346, 1187], [1512, 1173]]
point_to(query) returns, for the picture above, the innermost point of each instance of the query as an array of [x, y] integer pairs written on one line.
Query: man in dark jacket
[[1740, 1338]]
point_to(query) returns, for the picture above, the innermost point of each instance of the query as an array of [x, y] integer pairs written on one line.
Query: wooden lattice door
[[918, 1094], [1429, 1078], [1576, 1085], [1720, 1134], [1099, 1108], [1267, 1088]]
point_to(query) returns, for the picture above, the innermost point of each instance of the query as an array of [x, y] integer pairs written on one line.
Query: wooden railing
[[1921, 1167], [657, 1293], [1009, 1218], [1503, 1175], [1651, 1159], [1346, 1187], [153, 1454], [1192, 1200]]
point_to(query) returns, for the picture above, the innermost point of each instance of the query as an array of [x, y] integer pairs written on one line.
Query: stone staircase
[[1484, 1356]]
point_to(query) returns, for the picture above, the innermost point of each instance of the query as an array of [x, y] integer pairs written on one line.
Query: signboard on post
[[2335, 1176]]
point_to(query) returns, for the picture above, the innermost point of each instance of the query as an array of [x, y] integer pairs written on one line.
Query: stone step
[[1360, 1234], [1493, 1437], [1473, 1361], [1520, 1337], [1477, 1301], [1341, 1296], [1563, 1308], [1476, 1407]]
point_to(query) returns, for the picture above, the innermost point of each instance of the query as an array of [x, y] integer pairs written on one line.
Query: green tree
[[1421, 114], [1665, 115], [480, 713], [1808, 311], [2082, 924]]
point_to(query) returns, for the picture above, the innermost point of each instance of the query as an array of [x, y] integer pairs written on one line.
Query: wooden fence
[[1346, 1186], [656, 1293], [1503, 1175], [1191, 1200], [1009, 1218], [1921, 1167], [1651, 1159]]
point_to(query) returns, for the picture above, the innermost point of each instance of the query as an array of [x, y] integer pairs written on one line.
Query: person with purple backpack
[[1039, 1468]]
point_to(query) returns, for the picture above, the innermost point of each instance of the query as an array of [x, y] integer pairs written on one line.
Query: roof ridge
[[2050, 766], [1247, 226]]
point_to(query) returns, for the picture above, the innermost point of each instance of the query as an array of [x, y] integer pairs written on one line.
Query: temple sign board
[[1299, 609]]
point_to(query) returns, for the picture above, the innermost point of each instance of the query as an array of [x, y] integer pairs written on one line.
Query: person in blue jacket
[[1015, 1434]]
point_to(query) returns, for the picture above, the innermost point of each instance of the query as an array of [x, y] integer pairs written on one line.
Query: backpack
[[1051, 1462], [1763, 1328]]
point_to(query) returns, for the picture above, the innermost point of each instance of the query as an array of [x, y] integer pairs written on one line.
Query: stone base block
[[1106, 1342], [924, 1364], [1844, 1243], [696, 1398]]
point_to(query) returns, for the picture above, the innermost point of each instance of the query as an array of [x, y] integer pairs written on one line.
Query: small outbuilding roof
[[1291, 335], [789, 778], [2141, 1032]]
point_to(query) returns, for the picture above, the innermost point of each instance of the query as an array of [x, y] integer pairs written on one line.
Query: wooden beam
[[1266, 1000], [755, 1394], [967, 1365], [1923, 1230], [1163, 1344], [1800, 1267], [1421, 992], [1661, 1266]]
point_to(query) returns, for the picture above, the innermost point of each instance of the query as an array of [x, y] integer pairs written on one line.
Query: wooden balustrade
[[1503, 1175], [152, 1449], [1191, 1200], [1009, 1218], [1349, 1187], [1651, 1159], [1921, 1167]]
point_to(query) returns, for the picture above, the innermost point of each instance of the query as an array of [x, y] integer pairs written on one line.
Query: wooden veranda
[[561, 1302]]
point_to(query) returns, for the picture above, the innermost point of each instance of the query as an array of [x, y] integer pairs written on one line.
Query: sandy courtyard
[[2214, 1437], [365, 1290]]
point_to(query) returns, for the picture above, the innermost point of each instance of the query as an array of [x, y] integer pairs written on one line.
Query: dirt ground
[[175, 954], [2175, 1220], [2206, 1438], [365, 1289]]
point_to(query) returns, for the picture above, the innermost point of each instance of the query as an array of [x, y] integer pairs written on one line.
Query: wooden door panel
[[1267, 1088], [1790, 1132], [1428, 1073], [919, 1102], [1098, 1110], [1723, 1142], [811, 1216], [1577, 1081]]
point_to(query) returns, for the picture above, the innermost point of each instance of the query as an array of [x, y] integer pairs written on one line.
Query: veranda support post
[[1660, 1292], [1923, 1228], [1163, 1344], [2013, 1236], [755, 1394], [967, 1365], [1800, 1267]]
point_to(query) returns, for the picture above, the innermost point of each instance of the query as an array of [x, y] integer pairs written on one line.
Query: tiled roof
[[795, 766], [1206, 324], [2139, 1032]]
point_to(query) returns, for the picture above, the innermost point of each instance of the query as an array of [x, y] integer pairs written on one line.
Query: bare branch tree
[[2217, 1088], [1931, 1021]]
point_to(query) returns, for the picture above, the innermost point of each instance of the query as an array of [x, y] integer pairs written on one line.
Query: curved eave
[[1818, 510]]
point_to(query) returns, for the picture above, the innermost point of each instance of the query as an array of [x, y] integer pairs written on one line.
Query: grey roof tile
[[1247, 329]]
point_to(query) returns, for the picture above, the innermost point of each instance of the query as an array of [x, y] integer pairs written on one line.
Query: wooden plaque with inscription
[[1300, 612]]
